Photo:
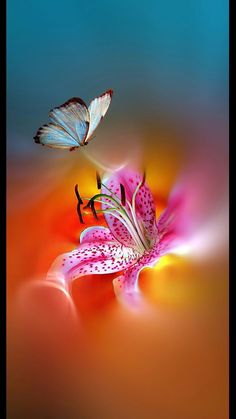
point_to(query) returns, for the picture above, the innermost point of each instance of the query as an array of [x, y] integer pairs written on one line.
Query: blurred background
[[167, 62]]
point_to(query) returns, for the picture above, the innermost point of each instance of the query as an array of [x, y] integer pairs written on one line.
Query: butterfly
[[73, 123]]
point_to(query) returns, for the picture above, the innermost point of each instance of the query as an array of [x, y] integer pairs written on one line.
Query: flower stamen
[[92, 206], [120, 208], [80, 202], [143, 179], [99, 182], [122, 192]]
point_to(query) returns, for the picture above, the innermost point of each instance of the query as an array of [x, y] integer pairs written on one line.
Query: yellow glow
[[164, 261]]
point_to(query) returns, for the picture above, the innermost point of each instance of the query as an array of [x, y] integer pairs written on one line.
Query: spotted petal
[[173, 224], [100, 257], [126, 285], [144, 205], [98, 233]]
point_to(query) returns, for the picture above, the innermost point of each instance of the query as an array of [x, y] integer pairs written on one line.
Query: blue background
[[158, 56]]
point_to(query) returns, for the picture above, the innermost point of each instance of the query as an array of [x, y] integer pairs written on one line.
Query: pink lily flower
[[132, 240]]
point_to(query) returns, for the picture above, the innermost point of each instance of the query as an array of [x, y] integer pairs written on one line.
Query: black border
[[232, 212]]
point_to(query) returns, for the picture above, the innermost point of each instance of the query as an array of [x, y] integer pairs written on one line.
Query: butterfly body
[[73, 123]]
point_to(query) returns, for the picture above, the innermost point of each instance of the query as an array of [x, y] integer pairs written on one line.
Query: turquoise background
[[160, 57]]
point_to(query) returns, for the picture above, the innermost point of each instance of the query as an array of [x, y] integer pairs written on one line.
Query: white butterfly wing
[[97, 110], [73, 116], [55, 136]]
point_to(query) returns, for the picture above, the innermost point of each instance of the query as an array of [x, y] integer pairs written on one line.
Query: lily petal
[[100, 257], [173, 224], [126, 285], [98, 234], [144, 204]]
